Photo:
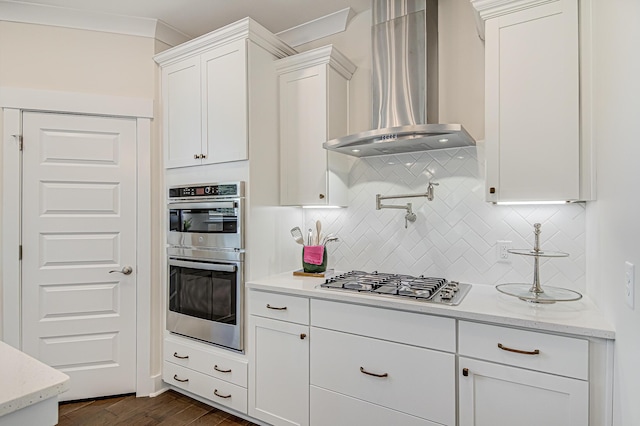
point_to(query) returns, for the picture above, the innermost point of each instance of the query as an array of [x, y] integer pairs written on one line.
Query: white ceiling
[[197, 17]]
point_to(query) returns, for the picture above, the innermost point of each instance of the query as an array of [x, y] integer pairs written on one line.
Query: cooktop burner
[[427, 289]]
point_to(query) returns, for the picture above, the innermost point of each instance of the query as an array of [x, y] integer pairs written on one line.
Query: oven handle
[[206, 205], [204, 265]]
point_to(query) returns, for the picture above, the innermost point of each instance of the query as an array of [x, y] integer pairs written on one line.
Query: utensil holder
[[310, 267]]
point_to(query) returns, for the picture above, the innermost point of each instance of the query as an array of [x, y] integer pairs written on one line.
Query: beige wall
[[54, 58], [461, 67], [79, 61]]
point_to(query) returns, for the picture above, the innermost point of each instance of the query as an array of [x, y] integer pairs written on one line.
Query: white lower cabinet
[[521, 377], [388, 374], [360, 364], [326, 363], [279, 360], [335, 409], [206, 371], [494, 394]]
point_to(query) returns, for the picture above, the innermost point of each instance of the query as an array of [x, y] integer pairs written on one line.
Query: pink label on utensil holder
[[313, 254]]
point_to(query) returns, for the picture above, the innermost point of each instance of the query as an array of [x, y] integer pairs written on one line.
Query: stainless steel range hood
[[405, 85]]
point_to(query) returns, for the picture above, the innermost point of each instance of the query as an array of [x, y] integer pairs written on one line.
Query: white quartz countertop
[[483, 303], [25, 381]]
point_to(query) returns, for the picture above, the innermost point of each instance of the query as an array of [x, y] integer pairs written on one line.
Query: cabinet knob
[[302, 336], [195, 156], [492, 190], [321, 196], [465, 372], [203, 155]]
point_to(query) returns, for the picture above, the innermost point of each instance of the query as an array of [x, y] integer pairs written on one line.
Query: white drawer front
[[404, 327], [330, 408], [419, 381], [279, 306], [206, 360], [219, 391], [565, 356]]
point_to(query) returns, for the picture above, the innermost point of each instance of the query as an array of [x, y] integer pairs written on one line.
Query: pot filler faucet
[[410, 216]]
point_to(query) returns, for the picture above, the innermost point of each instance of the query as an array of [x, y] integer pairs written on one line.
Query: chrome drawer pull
[[284, 308], [175, 377], [362, 370], [215, 392], [518, 351], [215, 367], [175, 354]]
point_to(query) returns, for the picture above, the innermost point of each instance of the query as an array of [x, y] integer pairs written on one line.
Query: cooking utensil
[[318, 231], [310, 237], [296, 233]]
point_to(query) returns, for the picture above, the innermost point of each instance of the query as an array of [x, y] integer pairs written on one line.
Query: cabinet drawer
[[404, 327], [330, 408], [279, 306], [206, 360], [418, 381], [219, 391], [566, 356]]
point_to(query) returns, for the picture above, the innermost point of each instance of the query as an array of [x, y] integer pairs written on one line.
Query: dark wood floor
[[168, 408]]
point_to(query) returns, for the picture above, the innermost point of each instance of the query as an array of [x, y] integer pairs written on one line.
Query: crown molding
[[320, 56], [245, 28], [29, 13], [318, 28], [488, 9]]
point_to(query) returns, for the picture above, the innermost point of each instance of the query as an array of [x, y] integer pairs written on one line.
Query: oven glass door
[[208, 218], [205, 290]]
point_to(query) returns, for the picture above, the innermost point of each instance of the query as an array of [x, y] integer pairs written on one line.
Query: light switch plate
[[629, 284]]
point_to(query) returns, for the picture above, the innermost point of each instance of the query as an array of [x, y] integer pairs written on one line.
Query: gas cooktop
[[426, 289]]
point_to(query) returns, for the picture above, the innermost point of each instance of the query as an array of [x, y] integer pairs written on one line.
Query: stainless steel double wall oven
[[206, 262]]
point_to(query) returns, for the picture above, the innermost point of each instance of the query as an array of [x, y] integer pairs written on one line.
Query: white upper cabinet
[[224, 103], [534, 149], [205, 92], [181, 112], [314, 102]]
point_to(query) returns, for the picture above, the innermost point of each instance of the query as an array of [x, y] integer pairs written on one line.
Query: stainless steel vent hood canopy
[[405, 85]]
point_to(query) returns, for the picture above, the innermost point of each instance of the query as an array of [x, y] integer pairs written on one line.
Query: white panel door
[[79, 223]]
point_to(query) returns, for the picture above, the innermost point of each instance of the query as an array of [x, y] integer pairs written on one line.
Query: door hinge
[[20, 252], [19, 140]]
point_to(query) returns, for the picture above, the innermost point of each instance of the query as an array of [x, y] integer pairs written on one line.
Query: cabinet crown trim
[[321, 56], [245, 28], [488, 9]]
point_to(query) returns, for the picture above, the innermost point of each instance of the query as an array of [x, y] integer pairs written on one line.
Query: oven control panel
[[209, 190]]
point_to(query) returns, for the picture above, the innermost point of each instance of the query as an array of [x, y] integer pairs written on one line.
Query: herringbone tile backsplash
[[454, 235]]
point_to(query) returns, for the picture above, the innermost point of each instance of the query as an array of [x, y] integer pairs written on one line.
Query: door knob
[[127, 270]]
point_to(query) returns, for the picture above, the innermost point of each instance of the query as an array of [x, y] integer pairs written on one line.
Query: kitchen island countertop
[[483, 303], [26, 381]]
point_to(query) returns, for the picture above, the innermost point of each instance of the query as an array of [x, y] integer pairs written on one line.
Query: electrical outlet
[[629, 284], [503, 251]]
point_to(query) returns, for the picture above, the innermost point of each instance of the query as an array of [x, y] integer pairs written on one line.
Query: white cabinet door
[[303, 118], [494, 394], [314, 101], [182, 113], [532, 104], [224, 103], [279, 379]]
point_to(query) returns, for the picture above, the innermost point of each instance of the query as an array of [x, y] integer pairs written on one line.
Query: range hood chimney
[[405, 85]]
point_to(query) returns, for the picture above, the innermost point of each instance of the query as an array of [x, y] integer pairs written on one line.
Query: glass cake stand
[[534, 293]]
